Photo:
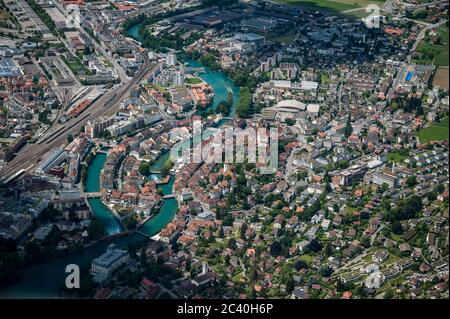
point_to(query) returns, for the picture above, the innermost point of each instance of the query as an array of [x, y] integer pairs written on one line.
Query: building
[[380, 256], [178, 79], [14, 225], [56, 158], [112, 259], [72, 208], [348, 176], [381, 178], [95, 128], [290, 106], [171, 59]]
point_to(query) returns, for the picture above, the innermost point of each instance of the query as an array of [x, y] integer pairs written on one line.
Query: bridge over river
[[88, 195]]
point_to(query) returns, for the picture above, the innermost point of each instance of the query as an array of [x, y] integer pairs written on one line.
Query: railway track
[[29, 157]]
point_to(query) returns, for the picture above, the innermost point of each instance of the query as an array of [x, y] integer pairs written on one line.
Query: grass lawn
[[239, 277], [307, 258], [442, 58], [397, 157], [391, 259], [393, 282], [368, 259], [334, 5], [435, 53], [194, 80], [325, 79], [350, 210], [435, 132], [397, 238], [74, 65], [286, 38]]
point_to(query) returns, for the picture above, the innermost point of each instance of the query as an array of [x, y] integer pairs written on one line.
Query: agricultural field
[[436, 132], [441, 78], [333, 5], [435, 53]]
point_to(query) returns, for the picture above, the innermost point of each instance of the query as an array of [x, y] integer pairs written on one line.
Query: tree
[[244, 103], [166, 168], [325, 271], [220, 233], [431, 196], [289, 121], [348, 128], [243, 230], [144, 262], [144, 168], [439, 188], [411, 181], [389, 294], [69, 138], [96, 229], [365, 241], [397, 228], [300, 264], [406, 210], [43, 117], [315, 246], [290, 284], [275, 249], [232, 243], [328, 249], [227, 260], [384, 187]]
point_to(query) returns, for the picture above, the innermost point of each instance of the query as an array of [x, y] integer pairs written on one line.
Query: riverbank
[[222, 87], [99, 209]]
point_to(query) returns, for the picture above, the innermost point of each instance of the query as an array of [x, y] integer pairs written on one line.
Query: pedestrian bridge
[[169, 196]]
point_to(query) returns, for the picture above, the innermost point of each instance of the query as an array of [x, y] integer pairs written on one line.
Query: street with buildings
[[95, 96]]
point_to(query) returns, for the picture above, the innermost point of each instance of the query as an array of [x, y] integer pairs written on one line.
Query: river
[[44, 280], [101, 212]]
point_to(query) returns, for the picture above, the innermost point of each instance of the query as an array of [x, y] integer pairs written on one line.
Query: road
[[374, 235], [30, 156], [122, 75]]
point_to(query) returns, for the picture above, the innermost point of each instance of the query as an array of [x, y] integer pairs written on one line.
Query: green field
[[435, 132], [398, 157], [193, 80], [286, 38], [325, 79], [435, 53], [333, 5]]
